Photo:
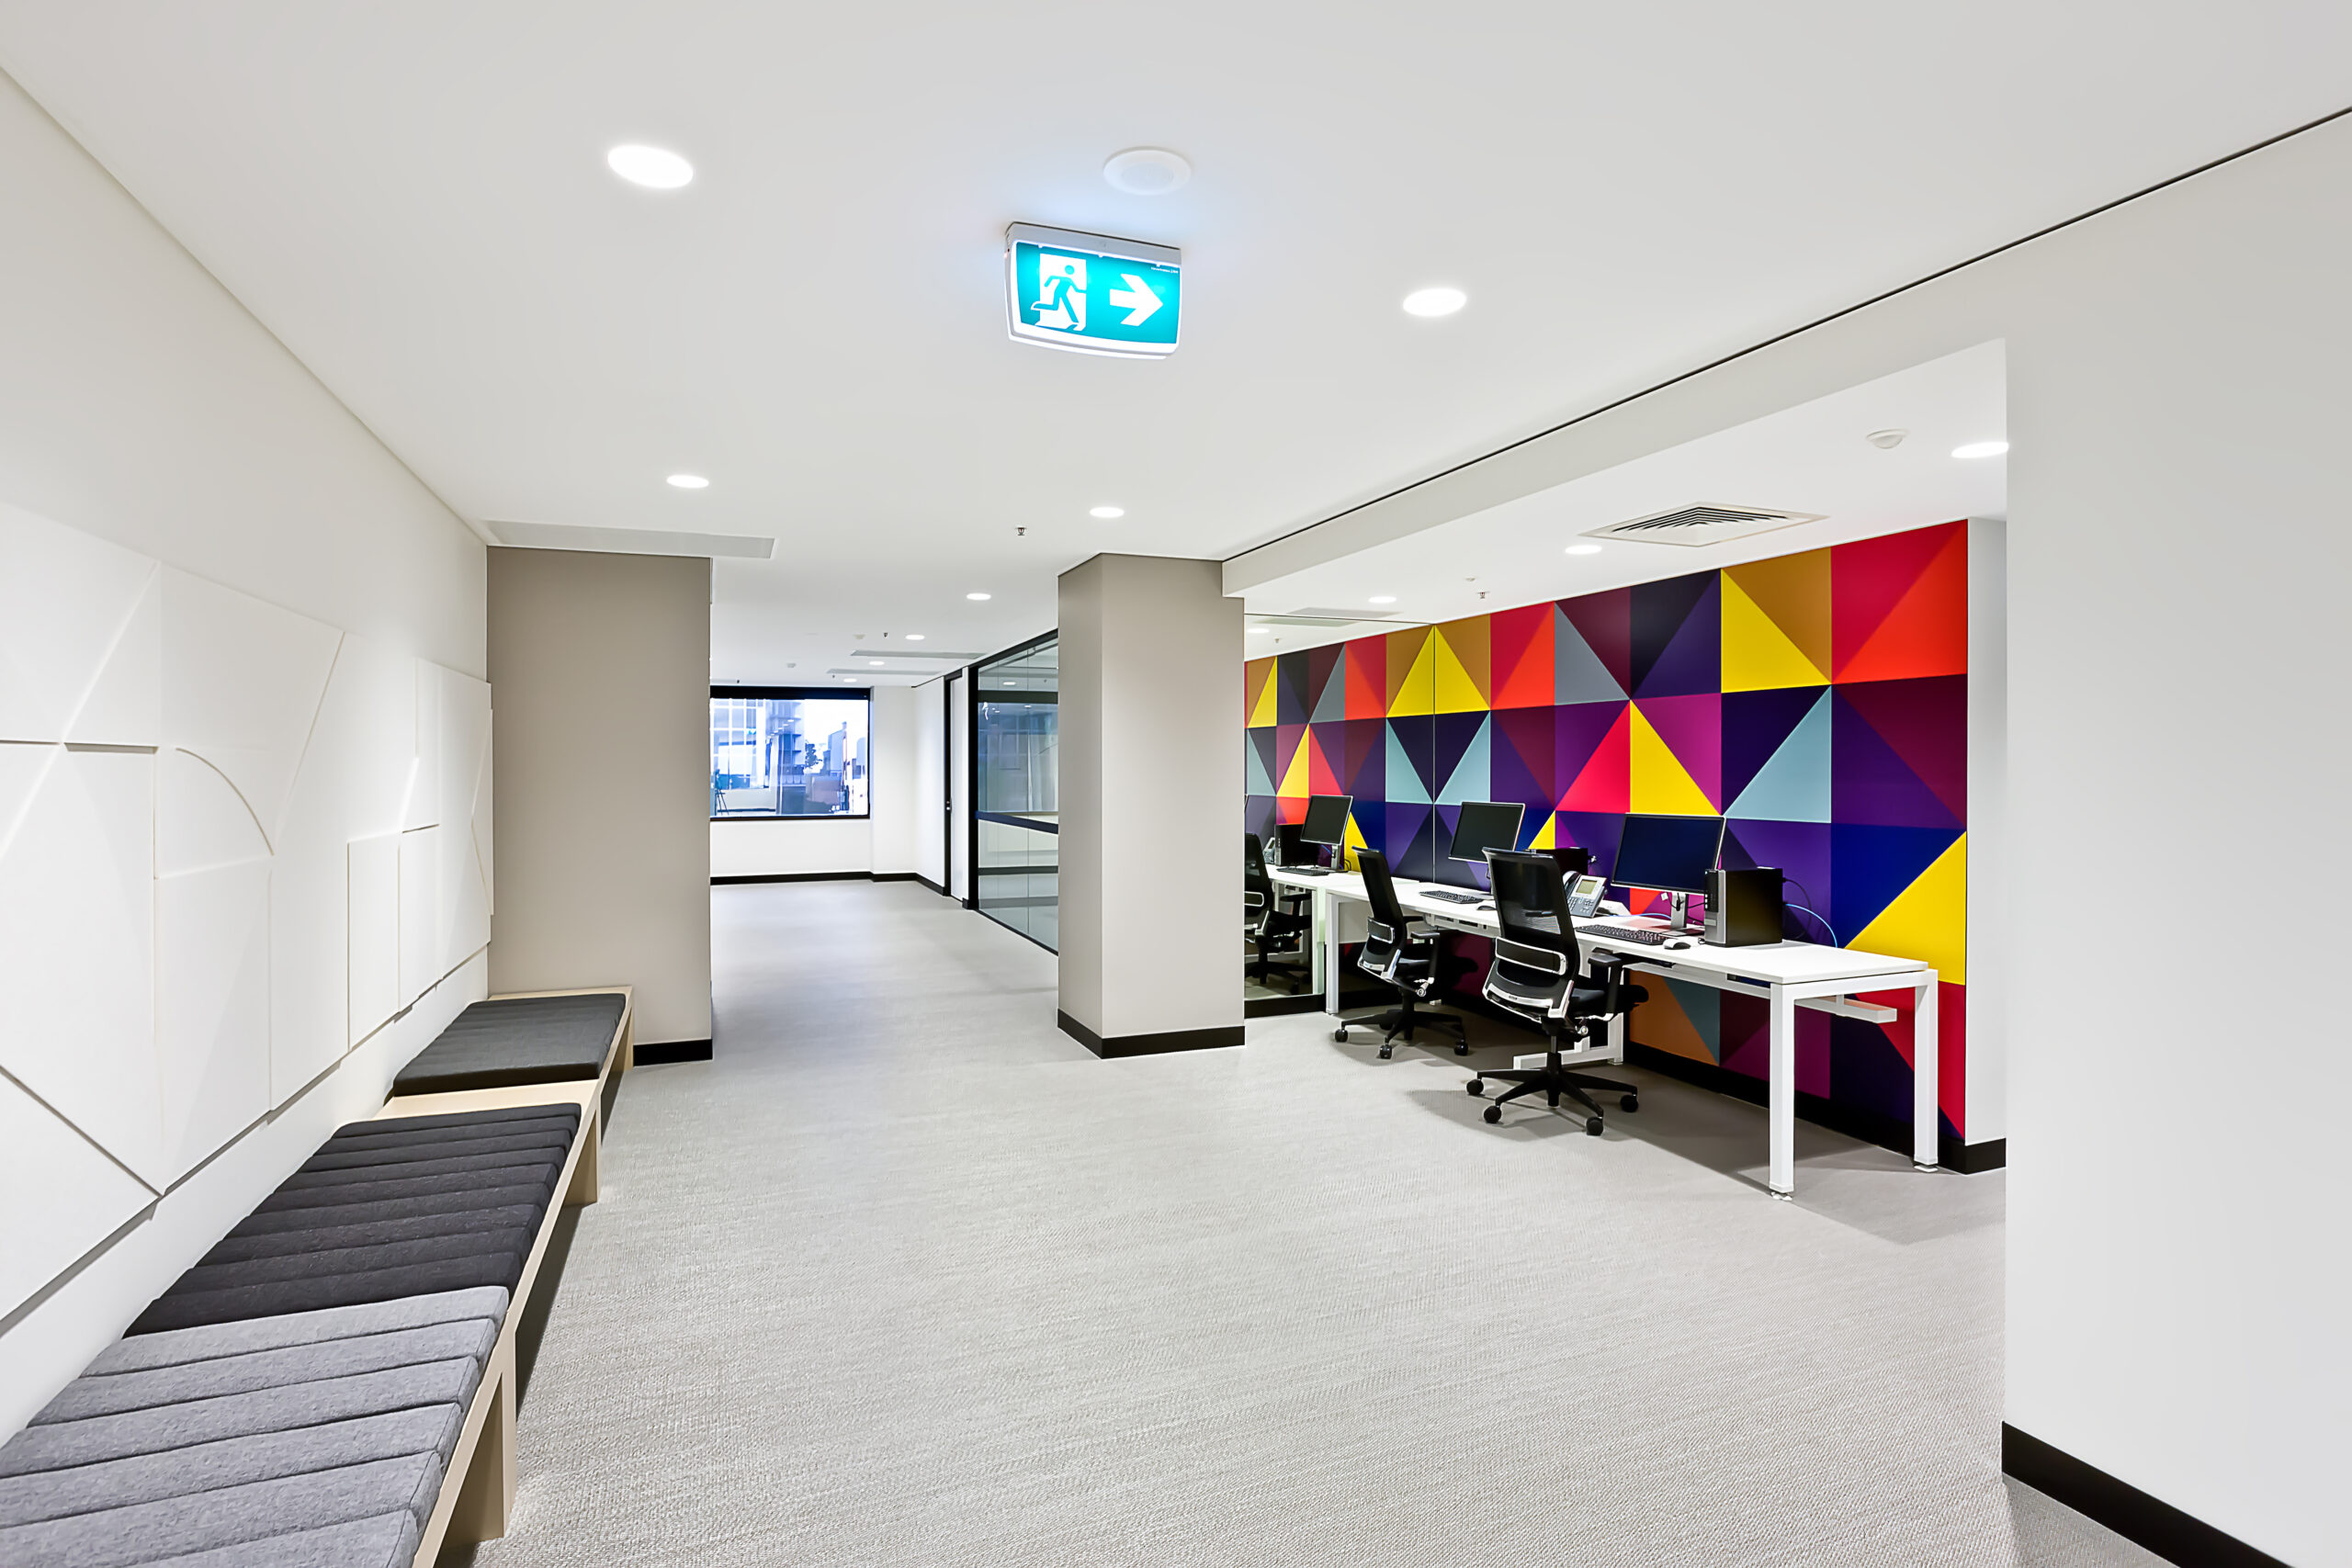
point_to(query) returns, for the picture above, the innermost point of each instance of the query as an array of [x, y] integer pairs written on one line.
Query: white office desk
[[1785, 975]]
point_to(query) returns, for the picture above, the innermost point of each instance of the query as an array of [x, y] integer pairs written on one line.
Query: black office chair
[[1413, 964], [1537, 974], [1275, 926]]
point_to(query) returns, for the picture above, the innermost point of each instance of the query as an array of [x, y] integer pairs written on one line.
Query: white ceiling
[[1815, 457], [414, 198]]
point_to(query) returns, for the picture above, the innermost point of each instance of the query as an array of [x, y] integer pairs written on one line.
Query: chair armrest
[[1611, 969], [1253, 900]]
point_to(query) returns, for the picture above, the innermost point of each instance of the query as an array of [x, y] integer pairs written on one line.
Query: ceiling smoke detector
[[1701, 524], [1886, 440], [1146, 171]]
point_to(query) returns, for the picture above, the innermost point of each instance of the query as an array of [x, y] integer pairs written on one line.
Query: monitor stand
[[1679, 904]]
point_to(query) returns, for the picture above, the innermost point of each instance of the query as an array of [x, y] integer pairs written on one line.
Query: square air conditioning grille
[[1701, 525]]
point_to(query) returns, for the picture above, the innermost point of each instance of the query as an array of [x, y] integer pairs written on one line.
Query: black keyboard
[[1642, 934], [1451, 897], [1306, 871]]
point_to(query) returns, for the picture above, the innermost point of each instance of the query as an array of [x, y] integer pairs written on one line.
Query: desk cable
[[1816, 914]]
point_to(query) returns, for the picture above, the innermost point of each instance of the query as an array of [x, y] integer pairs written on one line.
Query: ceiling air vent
[[1700, 524], [1310, 614]]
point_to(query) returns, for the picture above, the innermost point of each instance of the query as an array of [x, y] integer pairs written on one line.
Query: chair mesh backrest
[[1379, 889], [1253, 869], [1532, 906]]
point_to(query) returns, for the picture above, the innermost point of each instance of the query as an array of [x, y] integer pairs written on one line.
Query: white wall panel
[[464, 923], [423, 807], [123, 703], [243, 681], [353, 777], [420, 922], [211, 1008], [373, 921], [64, 1196], [66, 598], [78, 933], [200, 818]]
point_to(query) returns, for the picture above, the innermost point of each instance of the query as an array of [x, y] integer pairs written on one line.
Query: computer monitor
[[1327, 819], [1486, 825], [1668, 854]]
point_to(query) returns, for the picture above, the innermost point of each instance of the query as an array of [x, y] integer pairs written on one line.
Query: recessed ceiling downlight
[[1584, 549], [1382, 599], [1981, 449], [1106, 512], [655, 168], [1434, 301], [689, 482], [1146, 171], [914, 637], [975, 597]]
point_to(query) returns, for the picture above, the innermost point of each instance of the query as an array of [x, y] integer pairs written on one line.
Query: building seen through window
[[788, 756]]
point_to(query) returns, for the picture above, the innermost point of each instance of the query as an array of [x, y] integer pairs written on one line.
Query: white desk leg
[[1926, 1077], [1782, 1093], [1330, 908]]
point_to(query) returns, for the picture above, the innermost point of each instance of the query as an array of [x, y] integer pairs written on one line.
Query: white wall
[[896, 792], [1986, 1050], [1148, 647], [2177, 553], [806, 846], [931, 781], [243, 739], [887, 843]]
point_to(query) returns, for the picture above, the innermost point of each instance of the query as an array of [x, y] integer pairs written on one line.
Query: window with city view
[[778, 752]]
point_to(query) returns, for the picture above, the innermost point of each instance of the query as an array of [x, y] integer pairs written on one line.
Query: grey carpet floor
[[903, 1276]]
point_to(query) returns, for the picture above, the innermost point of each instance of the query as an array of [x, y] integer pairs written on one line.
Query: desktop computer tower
[[1573, 862], [1742, 908]]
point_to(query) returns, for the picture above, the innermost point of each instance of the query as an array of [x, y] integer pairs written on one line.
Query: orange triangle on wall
[[1926, 632]]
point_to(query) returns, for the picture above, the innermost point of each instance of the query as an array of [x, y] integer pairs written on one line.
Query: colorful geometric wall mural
[[1818, 702]]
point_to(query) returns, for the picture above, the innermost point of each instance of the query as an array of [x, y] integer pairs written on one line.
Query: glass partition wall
[[1015, 817]]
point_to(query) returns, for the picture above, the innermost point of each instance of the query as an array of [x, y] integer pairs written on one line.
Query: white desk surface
[[1785, 963]]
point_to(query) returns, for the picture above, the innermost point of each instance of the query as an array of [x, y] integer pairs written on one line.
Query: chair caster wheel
[[1592, 1126], [1494, 1113], [1340, 1035], [1462, 1048], [1386, 1052], [1630, 1102], [1477, 1086]]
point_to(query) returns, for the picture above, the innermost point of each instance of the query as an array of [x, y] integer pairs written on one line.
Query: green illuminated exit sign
[[1093, 294]]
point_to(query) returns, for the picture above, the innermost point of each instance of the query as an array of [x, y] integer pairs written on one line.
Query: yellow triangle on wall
[[1928, 920], [1261, 712], [1457, 690], [1758, 655], [1296, 779], [1544, 838], [1352, 837], [1420, 688], [1662, 785]]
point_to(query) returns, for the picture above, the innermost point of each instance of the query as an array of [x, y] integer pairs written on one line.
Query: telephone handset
[[1584, 897]]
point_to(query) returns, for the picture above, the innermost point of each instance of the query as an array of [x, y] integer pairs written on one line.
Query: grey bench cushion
[[388, 1540], [519, 1039], [184, 1346], [229, 1516], [302, 1439], [232, 1462]]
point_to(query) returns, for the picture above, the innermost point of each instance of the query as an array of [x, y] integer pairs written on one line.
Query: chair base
[[1400, 1023], [1555, 1082], [1266, 966]]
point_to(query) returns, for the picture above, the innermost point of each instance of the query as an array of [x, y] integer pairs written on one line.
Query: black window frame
[[809, 693]]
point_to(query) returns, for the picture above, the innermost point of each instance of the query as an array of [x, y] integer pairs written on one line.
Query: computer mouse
[[1678, 944]]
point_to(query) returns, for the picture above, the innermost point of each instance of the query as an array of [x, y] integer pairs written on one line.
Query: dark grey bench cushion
[[519, 1039], [402, 1207]]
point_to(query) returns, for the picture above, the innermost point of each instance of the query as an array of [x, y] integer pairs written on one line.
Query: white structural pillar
[[1149, 783]]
